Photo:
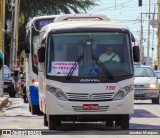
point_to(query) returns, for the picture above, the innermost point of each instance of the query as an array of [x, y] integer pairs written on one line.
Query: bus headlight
[[57, 92], [123, 92], [60, 95]]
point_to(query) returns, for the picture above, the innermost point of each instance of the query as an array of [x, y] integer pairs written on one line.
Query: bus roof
[[81, 17], [83, 24]]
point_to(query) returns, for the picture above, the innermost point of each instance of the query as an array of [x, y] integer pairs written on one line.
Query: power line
[[113, 6]]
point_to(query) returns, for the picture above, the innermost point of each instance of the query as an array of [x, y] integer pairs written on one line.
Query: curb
[[3, 101]]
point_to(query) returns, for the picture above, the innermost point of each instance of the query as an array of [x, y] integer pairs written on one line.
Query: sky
[[129, 13]]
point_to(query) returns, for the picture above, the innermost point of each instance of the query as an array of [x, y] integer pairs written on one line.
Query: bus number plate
[[90, 106]]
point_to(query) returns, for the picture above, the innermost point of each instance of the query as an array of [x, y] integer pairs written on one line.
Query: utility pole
[[2, 24], [141, 36], [158, 47], [2, 30], [141, 43], [148, 39], [15, 32]]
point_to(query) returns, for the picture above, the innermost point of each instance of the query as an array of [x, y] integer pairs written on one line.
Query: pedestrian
[[17, 84]]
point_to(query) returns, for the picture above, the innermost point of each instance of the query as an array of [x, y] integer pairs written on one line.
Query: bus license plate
[[90, 106]]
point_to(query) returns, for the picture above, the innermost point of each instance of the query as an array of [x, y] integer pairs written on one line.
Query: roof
[[80, 17], [83, 24]]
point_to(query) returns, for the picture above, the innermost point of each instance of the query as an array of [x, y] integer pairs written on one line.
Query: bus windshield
[[35, 29], [99, 52]]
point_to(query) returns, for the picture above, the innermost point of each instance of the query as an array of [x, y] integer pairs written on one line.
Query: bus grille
[[80, 109], [90, 97]]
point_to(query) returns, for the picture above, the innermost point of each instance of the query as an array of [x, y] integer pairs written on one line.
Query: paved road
[[145, 117]]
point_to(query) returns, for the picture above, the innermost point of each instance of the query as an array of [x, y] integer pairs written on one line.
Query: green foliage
[[32, 8]]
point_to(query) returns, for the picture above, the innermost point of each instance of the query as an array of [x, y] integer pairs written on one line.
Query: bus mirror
[[27, 47], [136, 53], [41, 54], [1, 60]]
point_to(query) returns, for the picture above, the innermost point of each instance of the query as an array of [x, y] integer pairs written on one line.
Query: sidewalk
[[3, 101]]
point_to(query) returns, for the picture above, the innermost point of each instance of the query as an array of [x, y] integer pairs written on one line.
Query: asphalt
[[3, 101]]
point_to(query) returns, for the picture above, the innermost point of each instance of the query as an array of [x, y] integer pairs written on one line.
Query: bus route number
[[110, 87]]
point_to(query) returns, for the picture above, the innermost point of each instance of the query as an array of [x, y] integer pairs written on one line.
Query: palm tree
[[32, 8]]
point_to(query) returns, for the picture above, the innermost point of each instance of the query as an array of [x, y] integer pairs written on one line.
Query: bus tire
[[35, 109], [52, 122], [45, 119], [124, 120]]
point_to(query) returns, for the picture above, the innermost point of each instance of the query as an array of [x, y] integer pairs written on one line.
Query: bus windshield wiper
[[78, 61], [103, 68]]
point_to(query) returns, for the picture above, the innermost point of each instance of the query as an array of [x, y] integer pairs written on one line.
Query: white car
[[146, 84], [157, 73]]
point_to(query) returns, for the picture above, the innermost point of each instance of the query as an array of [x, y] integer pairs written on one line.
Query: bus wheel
[[35, 109], [124, 121], [45, 119], [52, 122]]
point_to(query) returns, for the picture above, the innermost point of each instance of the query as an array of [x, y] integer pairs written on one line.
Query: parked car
[[146, 84], [8, 81], [157, 73]]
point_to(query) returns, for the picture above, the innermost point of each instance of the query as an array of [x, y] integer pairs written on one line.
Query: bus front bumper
[[55, 106]]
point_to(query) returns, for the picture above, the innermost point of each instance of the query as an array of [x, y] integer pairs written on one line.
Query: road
[[17, 116]]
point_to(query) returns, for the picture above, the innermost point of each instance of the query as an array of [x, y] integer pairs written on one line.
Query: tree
[[32, 8]]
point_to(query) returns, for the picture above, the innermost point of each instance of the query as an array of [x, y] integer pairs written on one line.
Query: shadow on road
[[144, 127], [98, 129], [141, 113]]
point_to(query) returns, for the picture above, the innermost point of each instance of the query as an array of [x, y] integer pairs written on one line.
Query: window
[[64, 50]]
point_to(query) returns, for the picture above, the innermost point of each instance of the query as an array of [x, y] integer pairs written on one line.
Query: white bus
[[31, 65], [74, 84]]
